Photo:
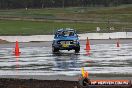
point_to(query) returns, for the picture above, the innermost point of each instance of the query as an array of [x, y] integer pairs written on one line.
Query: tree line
[[13, 4]]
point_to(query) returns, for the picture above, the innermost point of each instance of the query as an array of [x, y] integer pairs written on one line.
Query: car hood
[[66, 38]]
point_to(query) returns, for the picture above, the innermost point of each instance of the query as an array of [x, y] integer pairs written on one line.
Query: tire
[[55, 49], [77, 50]]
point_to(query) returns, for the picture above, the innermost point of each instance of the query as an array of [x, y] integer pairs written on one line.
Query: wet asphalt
[[37, 61]]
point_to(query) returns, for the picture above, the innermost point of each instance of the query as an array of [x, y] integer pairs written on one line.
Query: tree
[[6, 4]]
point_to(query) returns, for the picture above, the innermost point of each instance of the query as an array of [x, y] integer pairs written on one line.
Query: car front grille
[[66, 42]]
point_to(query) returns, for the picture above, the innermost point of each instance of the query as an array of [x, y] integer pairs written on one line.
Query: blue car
[[66, 39]]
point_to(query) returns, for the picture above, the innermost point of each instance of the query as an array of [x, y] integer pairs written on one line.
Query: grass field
[[8, 27], [120, 13], [46, 21]]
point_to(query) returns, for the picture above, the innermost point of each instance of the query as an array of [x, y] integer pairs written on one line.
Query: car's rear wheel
[[55, 49]]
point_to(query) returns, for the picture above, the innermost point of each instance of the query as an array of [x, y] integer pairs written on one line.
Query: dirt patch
[[3, 41], [23, 83], [31, 83]]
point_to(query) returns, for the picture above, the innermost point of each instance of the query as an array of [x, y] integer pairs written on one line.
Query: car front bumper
[[67, 46]]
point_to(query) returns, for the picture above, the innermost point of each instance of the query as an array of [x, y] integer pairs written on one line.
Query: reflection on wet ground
[[103, 58]]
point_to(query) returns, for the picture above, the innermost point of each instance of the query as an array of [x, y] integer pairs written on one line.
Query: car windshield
[[65, 33]]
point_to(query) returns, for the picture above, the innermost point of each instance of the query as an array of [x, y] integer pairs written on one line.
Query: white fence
[[106, 35]]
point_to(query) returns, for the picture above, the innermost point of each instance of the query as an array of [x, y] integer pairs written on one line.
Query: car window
[[65, 33], [71, 33], [68, 33]]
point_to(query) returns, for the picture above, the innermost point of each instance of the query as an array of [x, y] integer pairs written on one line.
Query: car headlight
[[75, 41]]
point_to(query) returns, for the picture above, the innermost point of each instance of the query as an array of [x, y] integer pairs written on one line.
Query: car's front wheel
[[54, 49], [77, 50]]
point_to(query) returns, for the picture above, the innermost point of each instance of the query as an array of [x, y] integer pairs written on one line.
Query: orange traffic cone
[[118, 43], [17, 50], [87, 44]]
